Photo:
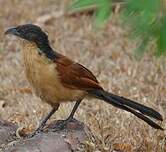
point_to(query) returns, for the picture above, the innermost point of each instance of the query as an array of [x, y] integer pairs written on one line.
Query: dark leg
[[63, 123], [43, 122], [74, 110]]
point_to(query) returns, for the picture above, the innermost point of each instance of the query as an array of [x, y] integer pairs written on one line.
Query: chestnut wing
[[76, 76]]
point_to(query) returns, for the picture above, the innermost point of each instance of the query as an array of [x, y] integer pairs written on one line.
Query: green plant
[[147, 22], [146, 19], [102, 9]]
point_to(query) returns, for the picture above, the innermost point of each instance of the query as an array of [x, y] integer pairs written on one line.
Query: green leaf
[[103, 13], [143, 18], [146, 20], [82, 5]]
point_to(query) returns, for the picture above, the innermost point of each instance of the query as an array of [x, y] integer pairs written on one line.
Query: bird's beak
[[12, 31]]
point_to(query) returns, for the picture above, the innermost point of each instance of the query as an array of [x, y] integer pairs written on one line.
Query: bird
[[57, 79]]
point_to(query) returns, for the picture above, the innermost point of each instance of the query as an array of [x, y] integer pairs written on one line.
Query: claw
[[34, 133], [61, 124]]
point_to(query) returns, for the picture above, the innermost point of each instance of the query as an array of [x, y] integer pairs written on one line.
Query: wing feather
[[76, 76]]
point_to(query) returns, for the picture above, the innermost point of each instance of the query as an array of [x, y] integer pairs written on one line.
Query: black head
[[29, 32], [34, 33]]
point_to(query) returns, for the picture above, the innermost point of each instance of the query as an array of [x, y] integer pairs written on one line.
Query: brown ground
[[108, 53]]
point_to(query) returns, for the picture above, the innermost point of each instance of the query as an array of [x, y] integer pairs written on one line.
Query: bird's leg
[[43, 122], [63, 123], [71, 116]]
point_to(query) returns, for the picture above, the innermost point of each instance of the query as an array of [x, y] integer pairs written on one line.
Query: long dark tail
[[133, 107]]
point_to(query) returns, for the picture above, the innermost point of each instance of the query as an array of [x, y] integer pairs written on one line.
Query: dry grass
[[108, 53]]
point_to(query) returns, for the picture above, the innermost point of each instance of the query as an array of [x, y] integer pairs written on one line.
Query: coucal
[[57, 79]]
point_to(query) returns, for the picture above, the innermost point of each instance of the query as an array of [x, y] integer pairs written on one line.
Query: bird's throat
[[42, 48]]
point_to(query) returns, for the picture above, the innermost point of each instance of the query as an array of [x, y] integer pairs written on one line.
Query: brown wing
[[76, 76]]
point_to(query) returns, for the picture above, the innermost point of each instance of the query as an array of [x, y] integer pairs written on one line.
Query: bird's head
[[33, 33], [29, 32]]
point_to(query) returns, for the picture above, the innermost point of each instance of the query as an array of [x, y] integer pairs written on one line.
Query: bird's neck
[[46, 49]]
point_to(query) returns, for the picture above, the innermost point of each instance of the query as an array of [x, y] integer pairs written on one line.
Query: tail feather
[[130, 106], [143, 109]]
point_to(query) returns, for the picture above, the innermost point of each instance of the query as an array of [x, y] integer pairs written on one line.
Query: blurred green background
[[145, 20]]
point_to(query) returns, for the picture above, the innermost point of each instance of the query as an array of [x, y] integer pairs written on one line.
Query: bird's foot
[[63, 124], [33, 134], [37, 131]]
